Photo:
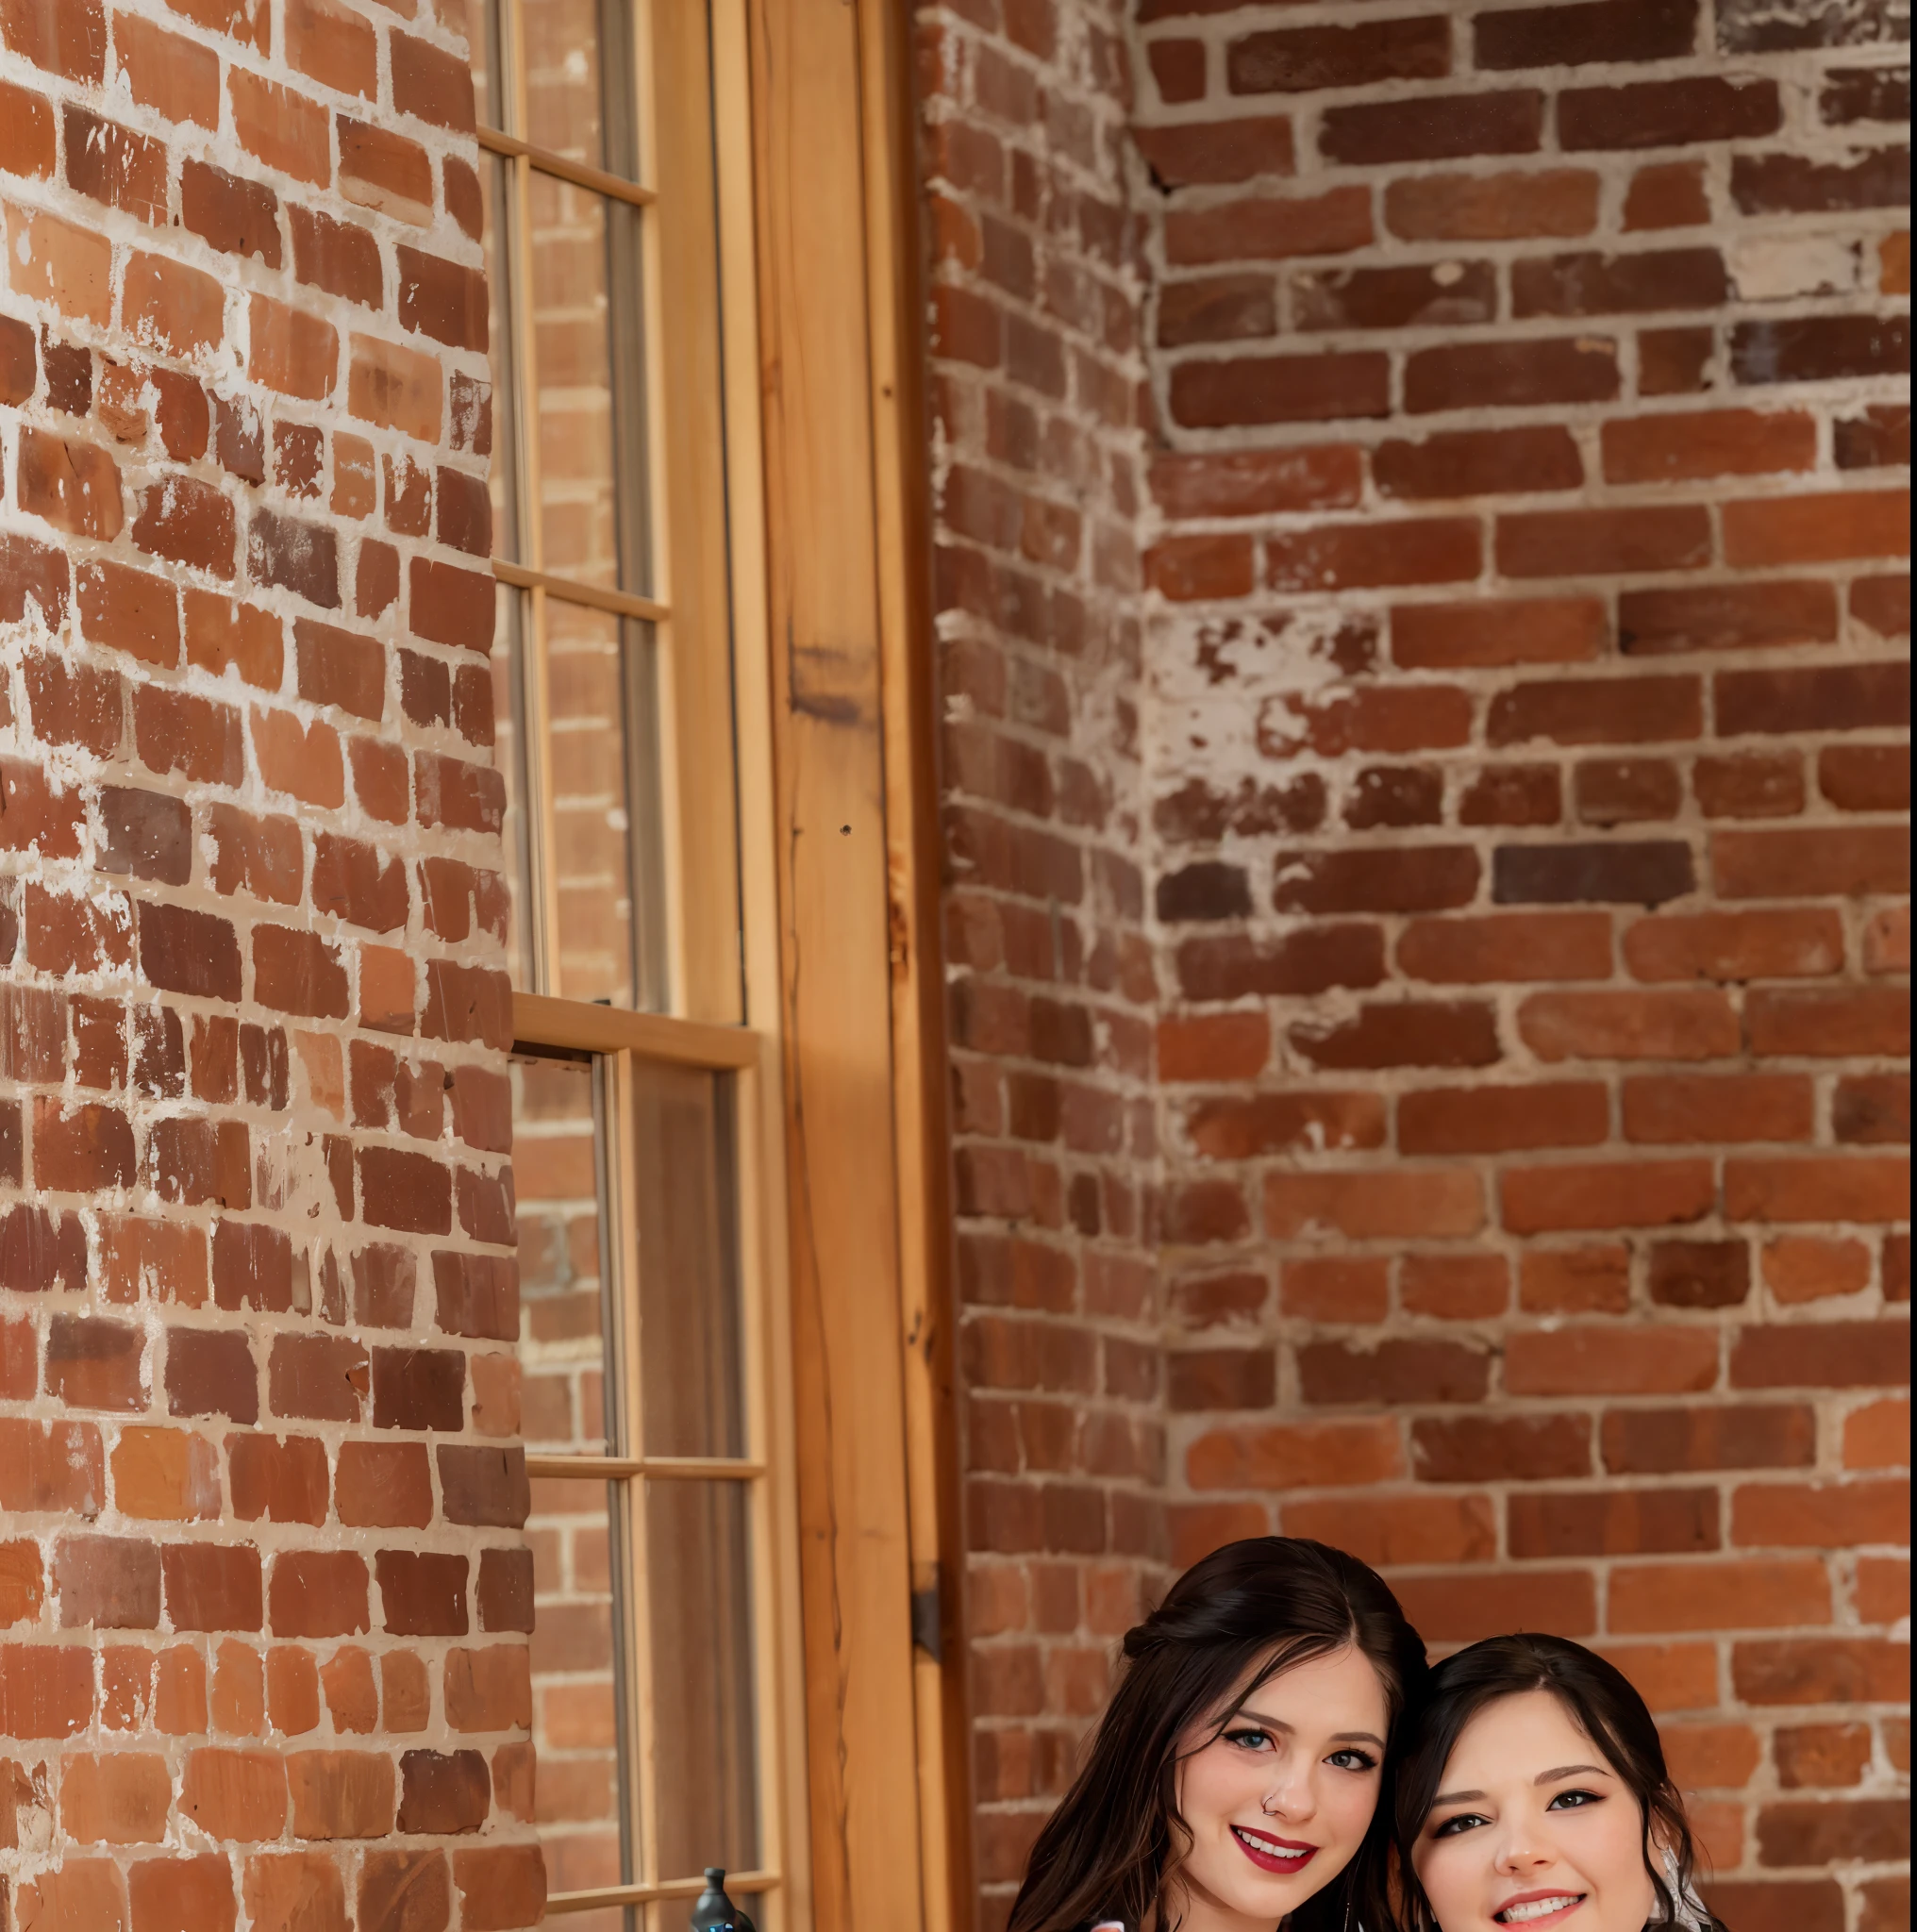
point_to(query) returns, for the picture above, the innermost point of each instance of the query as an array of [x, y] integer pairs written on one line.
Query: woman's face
[[1279, 1800], [1532, 1827]]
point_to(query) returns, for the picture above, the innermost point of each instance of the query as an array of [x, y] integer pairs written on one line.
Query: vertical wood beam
[[902, 474], [826, 596]]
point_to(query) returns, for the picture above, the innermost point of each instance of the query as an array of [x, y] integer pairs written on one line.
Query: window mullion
[[586, 1026], [526, 371], [640, 1800], [749, 1095], [597, 180], [684, 1469], [619, 602], [543, 886]]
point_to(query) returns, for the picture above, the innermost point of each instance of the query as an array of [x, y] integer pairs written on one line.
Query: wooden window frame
[[822, 560], [689, 596], [617, 1039]]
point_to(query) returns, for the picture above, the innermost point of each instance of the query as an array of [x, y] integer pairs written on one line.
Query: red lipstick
[[1293, 1857]]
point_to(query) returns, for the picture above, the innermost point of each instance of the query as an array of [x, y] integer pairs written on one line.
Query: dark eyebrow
[[1543, 1778], [1257, 1716], [1278, 1724]]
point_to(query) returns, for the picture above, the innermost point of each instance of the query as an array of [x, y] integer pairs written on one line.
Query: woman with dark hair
[[1533, 1792], [1234, 1783]]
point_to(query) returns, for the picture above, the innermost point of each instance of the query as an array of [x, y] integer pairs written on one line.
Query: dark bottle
[[712, 1911]]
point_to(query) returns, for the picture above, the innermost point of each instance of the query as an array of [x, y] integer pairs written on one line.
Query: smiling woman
[[1281, 1798], [1234, 1781], [1534, 1792]]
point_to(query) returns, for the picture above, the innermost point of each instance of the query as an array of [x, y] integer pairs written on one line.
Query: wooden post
[[833, 204]]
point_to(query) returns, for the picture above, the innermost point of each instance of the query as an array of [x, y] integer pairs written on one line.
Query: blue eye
[[1248, 1740], [1353, 1759]]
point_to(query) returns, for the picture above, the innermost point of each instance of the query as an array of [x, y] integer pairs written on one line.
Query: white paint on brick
[[1771, 268]]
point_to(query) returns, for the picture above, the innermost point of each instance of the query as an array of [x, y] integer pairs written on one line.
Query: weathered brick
[[1299, 59], [1817, 528], [334, 46], [430, 83], [1810, 861], [1178, 68], [235, 215], [339, 256], [281, 126], [114, 165], [1716, 442], [1642, 873], [1580, 542], [1366, 880], [177, 76], [1434, 128], [1476, 462], [1250, 390], [1609, 1195], [1437, 550], [1819, 348], [1596, 284], [1491, 207], [212, 1587], [1520, 374], [1217, 151], [1726, 616], [442, 299], [1667, 113], [1797, 184]]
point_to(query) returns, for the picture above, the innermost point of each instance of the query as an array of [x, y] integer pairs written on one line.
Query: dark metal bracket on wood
[[928, 1625]]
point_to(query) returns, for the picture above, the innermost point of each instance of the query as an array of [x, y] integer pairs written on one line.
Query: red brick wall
[[1522, 704], [1528, 778], [1038, 384], [261, 1583]]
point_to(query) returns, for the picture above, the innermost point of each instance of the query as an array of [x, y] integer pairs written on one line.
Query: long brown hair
[[1262, 1605], [1596, 1696]]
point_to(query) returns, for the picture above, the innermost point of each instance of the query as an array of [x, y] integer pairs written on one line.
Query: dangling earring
[[1687, 1909]]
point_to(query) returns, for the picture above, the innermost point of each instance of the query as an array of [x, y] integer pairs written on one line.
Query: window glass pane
[[511, 756], [634, 536], [578, 1672], [573, 371], [579, 92], [564, 92], [690, 1341], [495, 178], [556, 1180], [578, 1686], [588, 375], [698, 1570], [591, 850], [607, 849]]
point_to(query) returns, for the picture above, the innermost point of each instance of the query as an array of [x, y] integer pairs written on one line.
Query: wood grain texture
[[902, 498], [829, 780]]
